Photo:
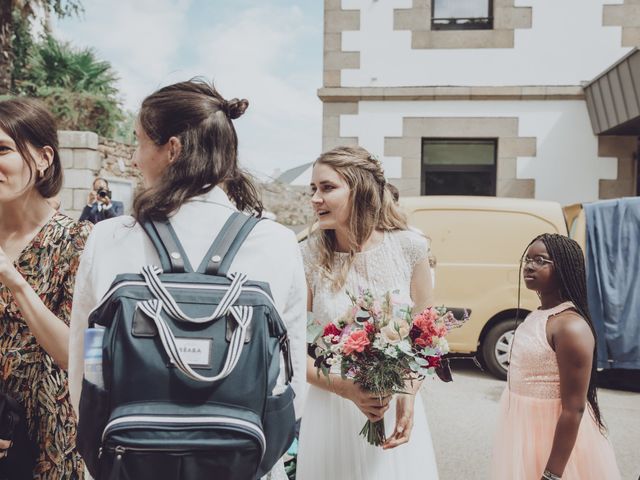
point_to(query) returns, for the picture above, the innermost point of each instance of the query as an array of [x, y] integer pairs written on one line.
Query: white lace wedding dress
[[330, 445]]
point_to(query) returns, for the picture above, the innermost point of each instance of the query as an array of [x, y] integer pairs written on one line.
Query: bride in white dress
[[362, 242]]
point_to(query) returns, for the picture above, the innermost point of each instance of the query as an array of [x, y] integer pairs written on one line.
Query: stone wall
[[117, 160], [290, 205], [86, 156], [81, 162]]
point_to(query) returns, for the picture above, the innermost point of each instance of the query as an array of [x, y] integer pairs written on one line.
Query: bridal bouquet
[[380, 344]]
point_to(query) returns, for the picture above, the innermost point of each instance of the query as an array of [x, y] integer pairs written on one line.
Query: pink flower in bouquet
[[430, 314], [426, 324], [357, 342]]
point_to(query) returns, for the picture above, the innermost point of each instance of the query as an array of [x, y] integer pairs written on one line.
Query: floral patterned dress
[[27, 372]]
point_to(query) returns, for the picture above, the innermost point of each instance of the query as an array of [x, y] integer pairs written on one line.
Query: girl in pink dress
[[550, 425]]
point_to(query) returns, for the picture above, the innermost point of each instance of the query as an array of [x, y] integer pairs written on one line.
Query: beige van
[[478, 243]]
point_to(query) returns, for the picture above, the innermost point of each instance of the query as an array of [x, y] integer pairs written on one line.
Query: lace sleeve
[[415, 246], [310, 264]]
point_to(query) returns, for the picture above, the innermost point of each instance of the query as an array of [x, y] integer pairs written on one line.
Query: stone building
[[86, 156], [487, 97]]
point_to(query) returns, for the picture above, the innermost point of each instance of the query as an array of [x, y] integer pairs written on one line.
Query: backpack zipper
[[228, 422]]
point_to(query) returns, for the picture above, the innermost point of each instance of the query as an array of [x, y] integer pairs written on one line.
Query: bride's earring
[[539, 294]]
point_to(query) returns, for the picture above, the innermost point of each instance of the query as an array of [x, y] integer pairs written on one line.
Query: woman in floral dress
[[39, 254]]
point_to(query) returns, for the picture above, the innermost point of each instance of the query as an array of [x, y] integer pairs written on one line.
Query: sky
[[267, 51]]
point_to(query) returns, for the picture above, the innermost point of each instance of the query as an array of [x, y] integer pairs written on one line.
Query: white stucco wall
[[566, 45], [566, 167]]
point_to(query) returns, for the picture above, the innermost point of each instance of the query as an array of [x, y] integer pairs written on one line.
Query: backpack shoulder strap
[[224, 248], [164, 238]]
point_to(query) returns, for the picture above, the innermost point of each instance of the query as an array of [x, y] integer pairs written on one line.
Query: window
[[122, 190], [461, 14], [459, 166]]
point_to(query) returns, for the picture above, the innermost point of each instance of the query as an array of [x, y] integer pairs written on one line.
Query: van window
[[479, 236]]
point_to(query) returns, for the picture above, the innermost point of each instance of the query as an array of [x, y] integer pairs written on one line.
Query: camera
[[102, 193]]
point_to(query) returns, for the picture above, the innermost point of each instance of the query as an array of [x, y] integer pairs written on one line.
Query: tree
[[17, 14], [79, 89]]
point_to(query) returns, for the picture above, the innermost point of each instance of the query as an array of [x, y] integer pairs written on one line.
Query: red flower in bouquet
[[357, 342], [370, 328], [331, 329], [434, 362]]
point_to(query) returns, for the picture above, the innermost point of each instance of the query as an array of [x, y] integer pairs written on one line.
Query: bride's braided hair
[[372, 207]]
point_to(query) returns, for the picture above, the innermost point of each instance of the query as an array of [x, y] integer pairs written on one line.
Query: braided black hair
[[569, 264]]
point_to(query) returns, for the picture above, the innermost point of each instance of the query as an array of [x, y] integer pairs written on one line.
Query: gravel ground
[[462, 419]]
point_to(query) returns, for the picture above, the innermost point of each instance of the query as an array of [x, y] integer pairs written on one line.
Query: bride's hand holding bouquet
[[379, 348], [370, 404]]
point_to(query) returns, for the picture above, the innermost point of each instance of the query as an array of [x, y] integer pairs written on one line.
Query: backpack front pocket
[[189, 442]]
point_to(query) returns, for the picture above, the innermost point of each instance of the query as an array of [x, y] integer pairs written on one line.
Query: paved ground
[[462, 418]]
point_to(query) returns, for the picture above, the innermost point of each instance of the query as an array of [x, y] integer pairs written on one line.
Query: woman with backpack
[[187, 152], [39, 254]]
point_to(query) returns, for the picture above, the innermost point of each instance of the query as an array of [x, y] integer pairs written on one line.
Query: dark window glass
[[461, 14], [459, 167]]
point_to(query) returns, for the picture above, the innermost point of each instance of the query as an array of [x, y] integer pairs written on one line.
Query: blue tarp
[[613, 280]]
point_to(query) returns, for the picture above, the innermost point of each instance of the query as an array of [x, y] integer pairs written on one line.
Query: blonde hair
[[372, 208]]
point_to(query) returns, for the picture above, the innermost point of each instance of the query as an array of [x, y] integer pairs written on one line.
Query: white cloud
[[259, 53], [139, 38], [253, 55]]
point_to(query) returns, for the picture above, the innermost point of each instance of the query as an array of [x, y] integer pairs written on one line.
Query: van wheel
[[496, 348]]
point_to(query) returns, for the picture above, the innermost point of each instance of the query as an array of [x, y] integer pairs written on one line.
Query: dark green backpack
[[189, 363]]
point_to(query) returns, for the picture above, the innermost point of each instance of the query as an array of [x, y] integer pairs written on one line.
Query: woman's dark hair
[[569, 265], [29, 123], [196, 114]]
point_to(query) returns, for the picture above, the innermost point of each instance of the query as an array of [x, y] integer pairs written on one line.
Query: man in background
[[100, 206]]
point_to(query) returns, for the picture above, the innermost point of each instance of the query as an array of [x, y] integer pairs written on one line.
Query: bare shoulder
[[572, 331]]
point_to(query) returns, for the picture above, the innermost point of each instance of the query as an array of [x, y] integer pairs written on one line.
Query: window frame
[[459, 168], [452, 25]]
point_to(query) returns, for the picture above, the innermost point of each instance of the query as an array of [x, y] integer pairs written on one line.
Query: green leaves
[[79, 89]]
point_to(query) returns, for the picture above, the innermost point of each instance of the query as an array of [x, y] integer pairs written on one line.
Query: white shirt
[[270, 254]]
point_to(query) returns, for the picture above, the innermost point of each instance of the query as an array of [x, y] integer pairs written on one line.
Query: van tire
[[498, 342]]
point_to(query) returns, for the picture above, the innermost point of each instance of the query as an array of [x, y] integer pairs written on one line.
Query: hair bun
[[235, 108]]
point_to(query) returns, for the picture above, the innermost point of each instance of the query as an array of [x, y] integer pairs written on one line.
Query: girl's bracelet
[[547, 475]]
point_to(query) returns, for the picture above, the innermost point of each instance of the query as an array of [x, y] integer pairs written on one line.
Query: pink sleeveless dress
[[529, 410]]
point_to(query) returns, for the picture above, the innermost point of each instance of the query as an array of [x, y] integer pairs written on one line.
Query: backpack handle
[[160, 292], [241, 314]]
